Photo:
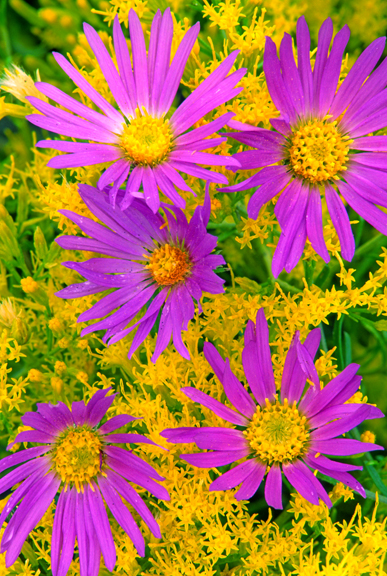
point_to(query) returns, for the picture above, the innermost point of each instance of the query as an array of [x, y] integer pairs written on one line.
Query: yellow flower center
[[278, 433], [147, 141], [318, 152], [169, 265], [77, 456]]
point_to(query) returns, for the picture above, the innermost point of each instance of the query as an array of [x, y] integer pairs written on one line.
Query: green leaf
[[375, 477]]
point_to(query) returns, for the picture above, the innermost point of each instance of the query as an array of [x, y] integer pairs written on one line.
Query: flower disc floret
[[77, 457], [147, 141], [318, 152], [278, 433], [169, 265]]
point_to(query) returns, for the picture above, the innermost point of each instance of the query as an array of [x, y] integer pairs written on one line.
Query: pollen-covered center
[[278, 433], [318, 152], [169, 265], [147, 141], [77, 456]]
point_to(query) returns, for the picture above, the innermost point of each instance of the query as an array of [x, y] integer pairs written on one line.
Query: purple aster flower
[[78, 460], [321, 143], [165, 264], [143, 139], [290, 433]]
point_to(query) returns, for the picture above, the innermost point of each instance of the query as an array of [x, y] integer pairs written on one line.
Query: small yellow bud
[[29, 285], [35, 375], [368, 436], [66, 21], [57, 384], [63, 343], [49, 15], [60, 367], [82, 377], [55, 325]]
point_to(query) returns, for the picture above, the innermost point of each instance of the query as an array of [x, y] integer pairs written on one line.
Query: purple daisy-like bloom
[[79, 456], [321, 143], [166, 264], [291, 434], [138, 138]]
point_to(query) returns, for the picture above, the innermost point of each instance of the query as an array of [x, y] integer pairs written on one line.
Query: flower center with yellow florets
[[278, 433], [169, 265], [317, 151], [147, 141], [77, 456]]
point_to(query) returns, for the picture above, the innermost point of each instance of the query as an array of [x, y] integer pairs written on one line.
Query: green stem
[[285, 286], [377, 242], [4, 31]]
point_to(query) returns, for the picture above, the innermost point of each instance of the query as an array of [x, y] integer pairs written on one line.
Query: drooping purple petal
[[233, 477], [57, 533], [17, 475], [31, 515], [122, 515], [68, 535], [364, 208], [314, 225], [311, 479], [266, 193], [273, 487], [251, 484], [22, 456], [295, 473], [134, 500], [341, 223], [314, 459], [132, 460], [101, 525], [136, 476]]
